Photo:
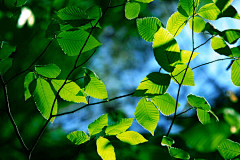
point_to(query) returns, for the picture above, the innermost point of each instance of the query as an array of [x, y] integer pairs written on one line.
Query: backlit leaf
[[166, 49], [222, 4], [144, 1], [69, 91], [49, 71], [97, 126], [231, 35], [119, 127], [72, 42], [220, 46], [229, 149], [44, 97], [28, 79], [203, 116], [71, 13], [78, 137], [185, 7], [176, 23], [105, 149], [147, 115], [167, 141], [209, 11], [185, 56], [230, 12], [94, 12], [131, 137], [235, 52], [132, 10], [198, 102], [199, 24], [94, 87], [178, 74], [235, 73], [165, 103], [154, 84], [147, 27], [211, 29], [5, 64], [178, 153]]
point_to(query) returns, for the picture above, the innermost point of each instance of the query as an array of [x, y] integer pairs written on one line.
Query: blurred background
[[121, 63]]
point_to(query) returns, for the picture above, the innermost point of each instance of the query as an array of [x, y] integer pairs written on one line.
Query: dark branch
[[117, 6], [184, 112], [203, 43]]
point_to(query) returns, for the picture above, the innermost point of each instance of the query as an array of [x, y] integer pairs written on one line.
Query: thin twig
[[74, 80], [203, 43], [117, 6], [179, 88], [61, 114], [184, 112], [30, 65], [10, 115]]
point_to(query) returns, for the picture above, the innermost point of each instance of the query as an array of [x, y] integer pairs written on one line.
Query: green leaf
[[230, 12], [232, 118], [176, 23], [6, 50], [97, 126], [147, 115], [165, 103], [198, 102], [119, 127], [211, 29], [154, 84], [185, 56], [105, 149], [131, 137], [214, 115], [229, 149], [69, 91], [71, 13], [78, 137], [166, 49], [147, 27], [185, 7], [49, 71], [178, 153], [235, 52], [72, 42], [28, 79], [203, 116], [167, 141], [44, 97], [178, 74], [144, 1], [94, 87], [132, 10], [222, 4], [209, 11], [235, 73], [220, 46], [231, 35], [5, 64], [52, 29], [199, 24], [94, 12]]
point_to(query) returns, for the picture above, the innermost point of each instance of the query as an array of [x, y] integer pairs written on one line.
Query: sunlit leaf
[[105, 149], [229, 149], [6, 50], [72, 42], [144, 1], [199, 24], [28, 79], [131, 137], [185, 7], [94, 86], [185, 56], [94, 12], [71, 13], [231, 35], [132, 10], [211, 29], [49, 71], [235, 52], [222, 4], [209, 11], [178, 73], [203, 116], [220, 46], [167, 141], [147, 115], [176, 23], [198, 102], [165, 103], [69, 91], [166, 49], [235, 73], [78, 137], [5, 64], [44, 97], [154, 84], [119, 127], [97, 126], [178, 153], [147, 27], [230, 12]]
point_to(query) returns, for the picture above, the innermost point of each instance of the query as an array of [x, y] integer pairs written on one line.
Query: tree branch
[[184, 112], [8, 110]]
